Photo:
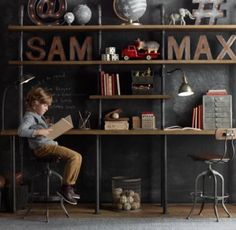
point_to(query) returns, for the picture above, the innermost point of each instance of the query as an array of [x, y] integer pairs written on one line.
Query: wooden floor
[[147, 210]]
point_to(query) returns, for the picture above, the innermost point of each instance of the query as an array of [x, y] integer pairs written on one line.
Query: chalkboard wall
[[122, 155]]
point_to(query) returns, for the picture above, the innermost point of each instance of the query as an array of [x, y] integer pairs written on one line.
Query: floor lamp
[[25, 79]]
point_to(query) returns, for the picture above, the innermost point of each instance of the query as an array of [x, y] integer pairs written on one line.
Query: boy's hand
[[43, 132]]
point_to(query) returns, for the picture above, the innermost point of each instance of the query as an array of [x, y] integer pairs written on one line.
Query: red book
[[113, 81], [106, 84], [102, 83], [217, 92], [109, 86], [193, 118], [200, 117], [196, 117]]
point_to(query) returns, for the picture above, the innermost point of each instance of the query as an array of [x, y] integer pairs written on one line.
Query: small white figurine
[[150, 46], [179, 17]]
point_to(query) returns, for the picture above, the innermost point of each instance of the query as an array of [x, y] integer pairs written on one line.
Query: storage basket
[[142, 89], [126, 193]]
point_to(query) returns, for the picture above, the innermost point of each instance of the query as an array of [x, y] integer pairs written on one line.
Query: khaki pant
[[72, 158]]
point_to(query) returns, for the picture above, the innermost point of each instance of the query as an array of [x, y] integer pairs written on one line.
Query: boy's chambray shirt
[[31, 122]]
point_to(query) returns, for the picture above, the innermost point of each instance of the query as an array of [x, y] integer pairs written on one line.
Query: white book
[[62, 126], [118, 83]]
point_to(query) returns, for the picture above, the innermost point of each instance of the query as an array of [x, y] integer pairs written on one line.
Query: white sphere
[[115, 115], [82, 14], [130, 199], [135, 205], [123, 199], [127, 206], [69, 17], [117, 191], [131, 193], [136, 197]]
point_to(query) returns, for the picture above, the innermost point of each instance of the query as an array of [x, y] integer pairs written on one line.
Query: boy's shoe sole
[[66, 199], [75, 196]]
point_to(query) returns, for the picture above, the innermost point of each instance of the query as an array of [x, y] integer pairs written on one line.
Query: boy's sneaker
[[73, 193], [67, 196]]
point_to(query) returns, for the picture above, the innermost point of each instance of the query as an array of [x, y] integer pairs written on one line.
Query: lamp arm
[[172, 71], [3, 105]]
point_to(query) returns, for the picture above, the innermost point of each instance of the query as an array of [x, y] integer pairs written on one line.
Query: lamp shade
[[184, 89], [27, 78]]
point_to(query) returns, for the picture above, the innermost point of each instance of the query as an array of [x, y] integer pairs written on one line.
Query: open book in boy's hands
[[62, 126]]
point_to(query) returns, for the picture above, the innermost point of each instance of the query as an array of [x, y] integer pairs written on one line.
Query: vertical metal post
[[98, 138], [20, 75], [97, 209], [164, 138], [98, 161], [13, 155], [99, 32]]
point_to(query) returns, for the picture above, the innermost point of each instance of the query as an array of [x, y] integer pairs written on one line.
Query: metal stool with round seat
[[47, 197], [212, 175]]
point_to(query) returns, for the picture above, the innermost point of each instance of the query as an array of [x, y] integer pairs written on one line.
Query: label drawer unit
[[217, 112]]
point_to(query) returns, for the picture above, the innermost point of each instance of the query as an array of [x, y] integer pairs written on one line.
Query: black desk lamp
[[185, 89], [25, 79]]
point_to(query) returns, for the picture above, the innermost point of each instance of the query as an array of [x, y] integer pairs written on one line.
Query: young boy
[[35, 128]]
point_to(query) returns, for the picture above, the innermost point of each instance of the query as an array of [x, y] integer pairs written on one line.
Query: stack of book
[[109, 84], [117, 124], [217, 92], [197, 117]]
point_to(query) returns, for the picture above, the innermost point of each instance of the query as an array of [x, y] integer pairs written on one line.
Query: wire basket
[[126, 193]]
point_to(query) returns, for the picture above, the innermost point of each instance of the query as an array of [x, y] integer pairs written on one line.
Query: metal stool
[[47, 172], [210, 159]]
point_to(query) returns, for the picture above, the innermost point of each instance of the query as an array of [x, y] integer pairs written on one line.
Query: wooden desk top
[[95, 132]]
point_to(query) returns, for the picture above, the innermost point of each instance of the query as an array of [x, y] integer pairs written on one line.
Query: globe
[[69, 18], [129, 10], [82, 14]]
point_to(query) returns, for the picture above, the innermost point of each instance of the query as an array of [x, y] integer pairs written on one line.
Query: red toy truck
[[131, 52]]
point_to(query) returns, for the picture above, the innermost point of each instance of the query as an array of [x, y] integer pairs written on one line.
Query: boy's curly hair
[[43, 96]]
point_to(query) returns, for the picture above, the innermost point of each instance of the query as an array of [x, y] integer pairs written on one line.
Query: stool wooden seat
[[213, 159], [209, 157], [47, 197]]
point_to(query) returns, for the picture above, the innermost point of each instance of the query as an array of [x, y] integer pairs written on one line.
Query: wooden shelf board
[[139, 132], [63, 28], [129, 62], [93, 132], [128, 97], [124, 132]]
